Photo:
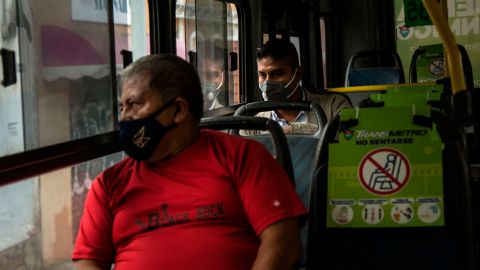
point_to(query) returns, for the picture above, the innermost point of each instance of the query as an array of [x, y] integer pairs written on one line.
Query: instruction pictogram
[[436, 67], [402, 213], [429, 212], [384, 171], [373, 214], [342, 214]]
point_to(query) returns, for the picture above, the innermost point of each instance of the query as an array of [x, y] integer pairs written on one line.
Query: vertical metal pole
[[113, 64]]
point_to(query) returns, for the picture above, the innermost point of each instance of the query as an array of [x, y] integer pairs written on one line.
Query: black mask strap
[[163, 107]]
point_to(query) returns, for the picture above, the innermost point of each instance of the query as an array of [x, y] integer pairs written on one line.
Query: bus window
[[40, 216], [64, 90], [59, 89], [11, 123], [134, 35], [207, 36], [265, 37]]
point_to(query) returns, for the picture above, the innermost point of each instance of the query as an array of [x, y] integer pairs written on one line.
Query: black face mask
[[140, 137], [276, 91]]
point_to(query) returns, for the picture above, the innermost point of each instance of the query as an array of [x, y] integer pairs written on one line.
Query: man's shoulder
[[327, 98], [331, 103], [116, 175], [125, 163]]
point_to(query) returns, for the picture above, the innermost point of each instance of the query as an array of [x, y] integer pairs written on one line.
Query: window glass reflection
[[207, 36]]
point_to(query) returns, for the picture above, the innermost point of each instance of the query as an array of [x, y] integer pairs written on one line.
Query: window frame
[[30, 163]]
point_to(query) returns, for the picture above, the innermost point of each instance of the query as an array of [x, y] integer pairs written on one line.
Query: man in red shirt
[[185, 198]]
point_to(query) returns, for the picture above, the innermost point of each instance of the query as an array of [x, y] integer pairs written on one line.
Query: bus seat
[[374, 67], [278, 143], [304, 148], [349, 246], [262, 106], [427, 64]]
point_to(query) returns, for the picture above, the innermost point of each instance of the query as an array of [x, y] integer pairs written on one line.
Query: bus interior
[[392, 183]]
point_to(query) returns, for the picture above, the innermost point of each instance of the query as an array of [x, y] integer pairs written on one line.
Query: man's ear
[[181, 111]]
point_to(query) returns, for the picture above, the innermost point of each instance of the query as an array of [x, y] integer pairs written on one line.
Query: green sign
[[405, 99], [464, 21], [430, 63], [407, 89], [415, 13], [385, 171]]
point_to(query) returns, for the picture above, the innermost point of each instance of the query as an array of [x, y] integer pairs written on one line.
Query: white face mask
[[275, 91], [212, 90]]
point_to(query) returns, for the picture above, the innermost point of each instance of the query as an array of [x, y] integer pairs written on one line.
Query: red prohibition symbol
[[384, 171]]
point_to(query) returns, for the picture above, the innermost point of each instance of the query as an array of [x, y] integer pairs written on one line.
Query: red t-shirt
[[202, 209]]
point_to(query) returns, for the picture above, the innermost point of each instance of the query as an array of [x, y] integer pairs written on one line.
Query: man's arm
[[248, 132], [280, 246], [301, 127], [93, 247], [243, 132], [91, 265]]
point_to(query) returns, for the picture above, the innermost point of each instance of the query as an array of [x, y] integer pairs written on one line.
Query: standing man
[[185, 198], [279, 76]]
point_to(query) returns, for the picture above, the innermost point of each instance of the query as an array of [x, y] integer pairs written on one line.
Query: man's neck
[[178, 140]]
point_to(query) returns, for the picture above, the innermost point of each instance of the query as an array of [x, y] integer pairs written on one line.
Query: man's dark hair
[[170, 75], [279, 49]]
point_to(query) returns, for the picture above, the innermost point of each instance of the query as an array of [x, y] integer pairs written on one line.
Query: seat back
[[278, 144], [374, 67], [304, 149], [362, 220], [262, 106], [428, 64]]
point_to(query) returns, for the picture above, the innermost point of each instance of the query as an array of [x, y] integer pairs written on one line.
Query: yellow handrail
[[368, 88], [453, 54]]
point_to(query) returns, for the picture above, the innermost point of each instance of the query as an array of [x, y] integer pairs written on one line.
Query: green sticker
[[430, 63], [415, 13], [385, 171]]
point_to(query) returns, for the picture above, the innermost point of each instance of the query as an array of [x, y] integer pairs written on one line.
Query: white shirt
[[302, 117]]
